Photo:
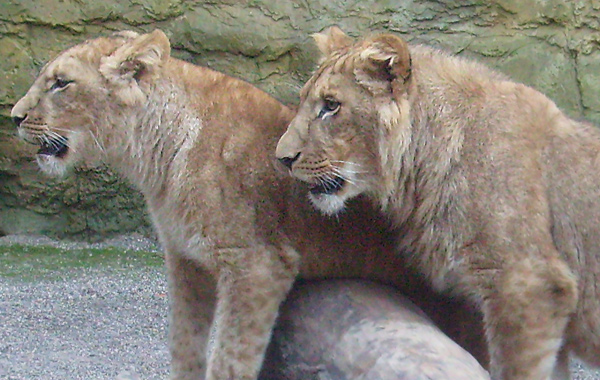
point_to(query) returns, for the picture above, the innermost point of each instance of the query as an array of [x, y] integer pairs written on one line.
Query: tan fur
[[199, 144], [495, 191]]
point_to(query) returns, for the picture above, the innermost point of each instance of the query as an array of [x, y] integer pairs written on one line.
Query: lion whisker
[[336, 173], [98, 144], [352, 181], [56, 139], [62, 129], [330, 180], [345, 163], [343, 174], [326, 181], [344, 170], [339, 169], [44, 139], [323, 180]]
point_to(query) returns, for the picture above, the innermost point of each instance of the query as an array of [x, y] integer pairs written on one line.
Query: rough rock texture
[[549, 44], [363, 331]]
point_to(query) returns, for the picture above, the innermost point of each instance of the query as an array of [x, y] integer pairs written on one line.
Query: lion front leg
[[249, 297], [526, 312], [192, 294]]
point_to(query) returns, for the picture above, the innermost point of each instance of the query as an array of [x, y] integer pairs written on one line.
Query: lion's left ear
[[331, 40], [137, 60], [386, 58]]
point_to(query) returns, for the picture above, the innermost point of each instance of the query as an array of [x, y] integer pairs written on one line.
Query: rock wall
[[549, 44]]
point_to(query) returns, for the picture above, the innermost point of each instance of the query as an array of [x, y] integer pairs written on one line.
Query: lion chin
[[328, 204], [52, 165], [334, 202], [57, 157]]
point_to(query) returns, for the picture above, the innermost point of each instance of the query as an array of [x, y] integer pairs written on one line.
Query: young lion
[[496, 192], [198, 144]]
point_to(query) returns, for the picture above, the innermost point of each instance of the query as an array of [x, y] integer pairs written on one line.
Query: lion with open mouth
[[495, 192]]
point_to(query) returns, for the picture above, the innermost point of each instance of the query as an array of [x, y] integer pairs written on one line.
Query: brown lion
[[495, 191], [198, 144]]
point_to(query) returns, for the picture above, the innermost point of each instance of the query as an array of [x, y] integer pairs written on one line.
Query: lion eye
[[60, 83], [330, 107]]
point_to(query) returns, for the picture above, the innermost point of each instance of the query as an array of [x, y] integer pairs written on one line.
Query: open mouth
[[328, 186], [54, 147]]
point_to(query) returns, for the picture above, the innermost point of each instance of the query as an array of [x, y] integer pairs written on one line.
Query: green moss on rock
[[551, 45]]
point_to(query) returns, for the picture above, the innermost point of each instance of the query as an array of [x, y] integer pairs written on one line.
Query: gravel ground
[[95, 323], [91, 323], [134, 242]]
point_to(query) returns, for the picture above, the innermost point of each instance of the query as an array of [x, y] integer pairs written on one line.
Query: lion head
[[353, 121], [80, 92]]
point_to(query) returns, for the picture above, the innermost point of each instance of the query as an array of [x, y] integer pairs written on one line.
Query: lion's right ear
[[331, 39], [136, 62], [386, 62]]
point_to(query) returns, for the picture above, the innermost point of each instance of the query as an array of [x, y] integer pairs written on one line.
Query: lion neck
[[424, 201], [150, 143]]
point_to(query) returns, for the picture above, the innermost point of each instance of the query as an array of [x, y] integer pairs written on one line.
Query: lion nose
[[289, 161], [18, 120]]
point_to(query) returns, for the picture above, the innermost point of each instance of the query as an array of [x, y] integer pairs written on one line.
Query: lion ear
[[134, 64], [137, 58], [386, 57], [331, 39]]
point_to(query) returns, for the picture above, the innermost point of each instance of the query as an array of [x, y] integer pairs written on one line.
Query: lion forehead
[[64, 65], [329, 85], [80, 62], [87, 54]]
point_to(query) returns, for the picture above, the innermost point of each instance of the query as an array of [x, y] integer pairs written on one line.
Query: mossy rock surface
[[551, 45]]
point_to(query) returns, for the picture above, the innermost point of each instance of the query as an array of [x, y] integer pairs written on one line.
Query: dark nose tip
[[18, 120], [288, 161]]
